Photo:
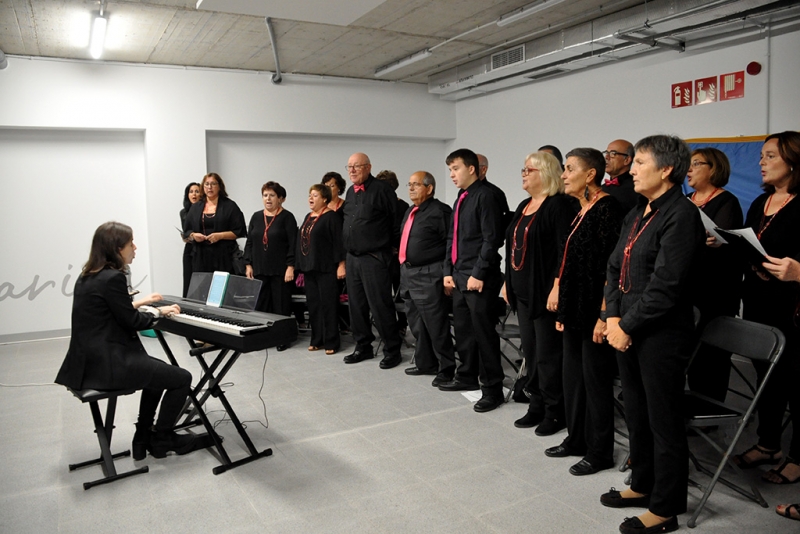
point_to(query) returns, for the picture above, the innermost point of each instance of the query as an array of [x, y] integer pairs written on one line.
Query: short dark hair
[[556, 152], [466, 155], [108, 240], [428, 179], [590, 158], [218, 178], [789, 149], [324, 191], [389, 177], [668, 151], [275, 187], [718, 163], [333, 175], [186, 202]]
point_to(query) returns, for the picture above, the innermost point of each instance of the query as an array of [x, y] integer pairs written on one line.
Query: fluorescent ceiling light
[[413, 58], [526, 11], [98, 37]]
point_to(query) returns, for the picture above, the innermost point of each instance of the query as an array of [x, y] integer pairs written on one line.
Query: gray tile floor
[[356, 449]]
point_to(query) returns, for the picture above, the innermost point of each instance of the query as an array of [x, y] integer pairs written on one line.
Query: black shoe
[[416, 371], [169, 441], [548, 427], [560, 451], [634, 525], [613, 499], [141, 441], [441, 378], [585, 468], [487, 403], [529, 420], [282, 348], [457, 385], [390, 361], [358, 356]]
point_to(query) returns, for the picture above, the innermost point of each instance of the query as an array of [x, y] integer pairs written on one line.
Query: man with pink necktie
[[423, 240], [472, 274]]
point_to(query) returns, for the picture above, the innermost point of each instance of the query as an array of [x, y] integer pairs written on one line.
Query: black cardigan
[[229, 217], [326, 249], [545, 237]]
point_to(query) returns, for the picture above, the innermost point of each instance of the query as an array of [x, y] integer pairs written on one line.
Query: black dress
[[270, 260], [218, 256], [775, 303], [588, 368], [527, 291], [717, 292], [319, 252]]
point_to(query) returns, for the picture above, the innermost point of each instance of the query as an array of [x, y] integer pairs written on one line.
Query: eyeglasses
[[414, 185], [211, 184], [614, 154], [351, 168], [696, 164], [527, 170]]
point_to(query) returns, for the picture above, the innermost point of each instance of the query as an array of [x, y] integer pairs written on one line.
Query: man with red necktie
[[421, 254], [619, 184], [368, 234], [472, 274]]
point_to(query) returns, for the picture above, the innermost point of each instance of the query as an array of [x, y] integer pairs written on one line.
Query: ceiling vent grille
[[509, 57]]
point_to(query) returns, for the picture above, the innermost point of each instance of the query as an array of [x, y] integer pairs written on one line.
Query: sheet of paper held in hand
[[711, 228], [751, 238]]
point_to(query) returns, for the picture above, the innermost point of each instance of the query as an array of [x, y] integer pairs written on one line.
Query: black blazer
[[104, 351]]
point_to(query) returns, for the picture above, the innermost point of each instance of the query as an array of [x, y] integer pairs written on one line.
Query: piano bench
[[104, 429]]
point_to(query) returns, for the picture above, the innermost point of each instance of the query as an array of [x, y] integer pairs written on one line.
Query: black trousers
[[422, 289], [589, 371], [275, 295], [653, 377], [477, 340], [174, 384], [322, 298], [781, 389], [545, 364], [369, 289], [187, 268]]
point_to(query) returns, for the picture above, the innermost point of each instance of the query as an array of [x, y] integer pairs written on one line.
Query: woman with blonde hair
[[539, 226]]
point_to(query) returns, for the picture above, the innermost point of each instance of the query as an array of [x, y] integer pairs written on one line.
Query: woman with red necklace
[[589, 366], [775, 218], [539, 226], [269, 251], [718, 288], [334, 181], [650, 322], [320, 256]]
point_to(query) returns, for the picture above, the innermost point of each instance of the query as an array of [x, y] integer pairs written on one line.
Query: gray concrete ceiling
[[175, 32]]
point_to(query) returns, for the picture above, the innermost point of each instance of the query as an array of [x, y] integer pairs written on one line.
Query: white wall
[[631, 100], [176, 108]]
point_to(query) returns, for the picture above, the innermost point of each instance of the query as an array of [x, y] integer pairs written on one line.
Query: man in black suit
[[619, 184], [472, 274], [422, 253], [368, 233]]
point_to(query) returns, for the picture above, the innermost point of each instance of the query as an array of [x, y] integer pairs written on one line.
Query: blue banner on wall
[[744, 154]]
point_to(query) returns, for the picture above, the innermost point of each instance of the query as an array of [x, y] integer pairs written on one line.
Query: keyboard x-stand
[[281, 331]]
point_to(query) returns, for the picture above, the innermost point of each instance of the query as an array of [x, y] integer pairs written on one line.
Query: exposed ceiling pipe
[[276, 78]]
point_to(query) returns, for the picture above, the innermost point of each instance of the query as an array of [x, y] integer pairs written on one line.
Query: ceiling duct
[[512, 56], [631, 32]]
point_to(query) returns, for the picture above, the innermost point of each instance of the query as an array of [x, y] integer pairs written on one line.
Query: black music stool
[[104, 431]]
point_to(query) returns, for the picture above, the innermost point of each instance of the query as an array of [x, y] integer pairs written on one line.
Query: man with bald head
[[619, 184], [499, 194], [368, 234], [421, 253]]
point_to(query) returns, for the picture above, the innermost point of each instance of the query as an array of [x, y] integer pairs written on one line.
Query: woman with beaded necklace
[[320, 256], [539, 226]]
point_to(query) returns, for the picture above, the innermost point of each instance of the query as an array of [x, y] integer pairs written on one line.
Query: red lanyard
[[706, 201], [579, 217], [625, 271], [524, 247], [763, 227], [265, 239], [305, 232]]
